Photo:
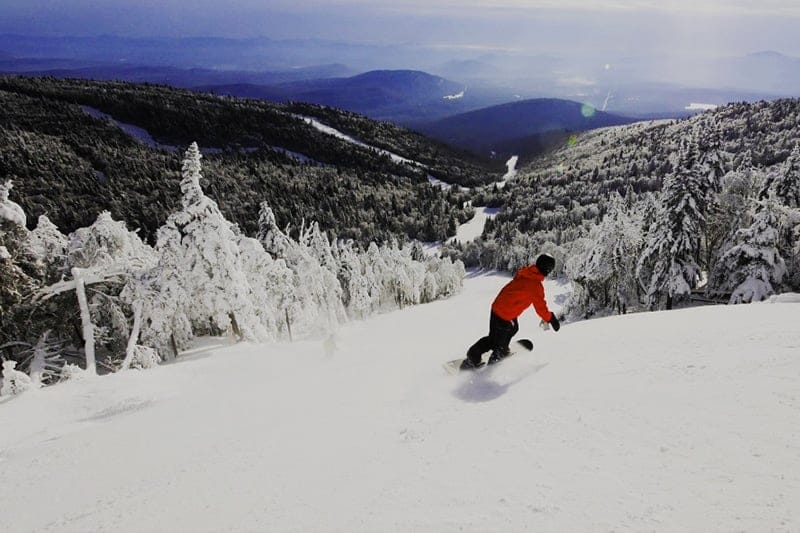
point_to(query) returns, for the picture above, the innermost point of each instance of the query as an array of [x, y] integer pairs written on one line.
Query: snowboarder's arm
[[540, 305]]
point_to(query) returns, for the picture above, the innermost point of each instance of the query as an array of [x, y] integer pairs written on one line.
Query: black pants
[[500, 334]]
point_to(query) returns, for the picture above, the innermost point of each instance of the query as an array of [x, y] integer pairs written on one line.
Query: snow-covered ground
[[695, 106], [678, 421], [472, 230], [324, 128], [140, 134], [512, 171], [474, 227]]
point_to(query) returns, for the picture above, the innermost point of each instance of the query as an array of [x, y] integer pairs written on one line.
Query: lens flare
[[588, 110], [573, 139]]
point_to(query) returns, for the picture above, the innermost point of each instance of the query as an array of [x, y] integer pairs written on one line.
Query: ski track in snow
[[339, 135], [679, 421], [324, 128], [474, 228], [140, 134]]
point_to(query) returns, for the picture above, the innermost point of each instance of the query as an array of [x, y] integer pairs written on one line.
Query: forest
[[72, 166], [100, 299], [656, 213]]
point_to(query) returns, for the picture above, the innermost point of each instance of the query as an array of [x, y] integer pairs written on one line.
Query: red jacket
[[524, 290]]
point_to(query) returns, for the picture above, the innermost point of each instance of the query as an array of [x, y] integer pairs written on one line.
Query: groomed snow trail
[[687, 420]]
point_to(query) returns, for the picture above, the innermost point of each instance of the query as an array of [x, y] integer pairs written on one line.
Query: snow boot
[[468, 364], [499, 354]]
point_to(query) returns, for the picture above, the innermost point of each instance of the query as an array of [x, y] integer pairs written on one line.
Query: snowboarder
[[524, 290]]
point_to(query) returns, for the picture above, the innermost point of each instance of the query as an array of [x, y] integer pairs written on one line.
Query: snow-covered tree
[[275, 241], [46, 360], [18, 266], [14, 382], [165, 301], [106, 256], [106, 244], [49, 246], [270, 281], [352, 275], [668, 266], [604, 275], [318, 295], [753, 268], [199, 251], [10, 211], [784, 183]]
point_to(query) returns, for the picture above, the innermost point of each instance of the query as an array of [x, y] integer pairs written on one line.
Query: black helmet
[[545, 263]]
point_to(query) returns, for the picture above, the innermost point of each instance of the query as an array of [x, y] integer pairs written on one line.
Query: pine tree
[[785, 184], [275, 242], [18, 266], [271, 285], [668, 267], [198, 248], [49, 246], [753, 268], [785, 189]]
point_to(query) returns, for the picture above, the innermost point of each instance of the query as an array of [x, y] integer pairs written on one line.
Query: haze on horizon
[[563, 27]]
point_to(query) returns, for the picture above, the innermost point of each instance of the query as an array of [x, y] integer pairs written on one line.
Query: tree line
[[72, 166], [649, 215], [102, 299]]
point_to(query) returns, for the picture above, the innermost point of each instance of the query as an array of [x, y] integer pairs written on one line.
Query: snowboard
[[522, 345]]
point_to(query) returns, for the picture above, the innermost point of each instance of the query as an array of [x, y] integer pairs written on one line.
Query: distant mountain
[[764, 71], [492, 128], [176, 77], [400, 96]]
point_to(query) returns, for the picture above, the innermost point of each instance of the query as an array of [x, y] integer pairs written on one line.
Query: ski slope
[[680, 421]]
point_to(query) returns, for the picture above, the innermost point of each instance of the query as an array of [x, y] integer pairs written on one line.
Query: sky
[[529, 26]]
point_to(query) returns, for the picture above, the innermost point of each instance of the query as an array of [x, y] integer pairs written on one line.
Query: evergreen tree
[[668, 266], [18, 271], [753, 268], [785, 183], [198, 247], [275, 242], [270, 283], [49, 246], [604, 276]]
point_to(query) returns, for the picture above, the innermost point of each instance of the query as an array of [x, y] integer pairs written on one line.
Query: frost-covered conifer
[[275, 242], [753, 268], [604, 276], [668, 266], [18, 267], [49, 246], [785, 183], [376, 272], [199, 254], [10, 211], [353, 280], [270, 282], [45, 360], [318, 293], [14, 381], [165, 300], [108, 245], [108, 256]]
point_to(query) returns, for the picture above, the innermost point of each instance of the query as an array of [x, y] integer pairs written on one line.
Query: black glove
[[555, 323]]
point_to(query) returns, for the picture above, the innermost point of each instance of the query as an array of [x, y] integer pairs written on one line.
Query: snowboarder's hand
[[555, 323]]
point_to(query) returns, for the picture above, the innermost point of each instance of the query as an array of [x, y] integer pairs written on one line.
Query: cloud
[[456, 7]]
